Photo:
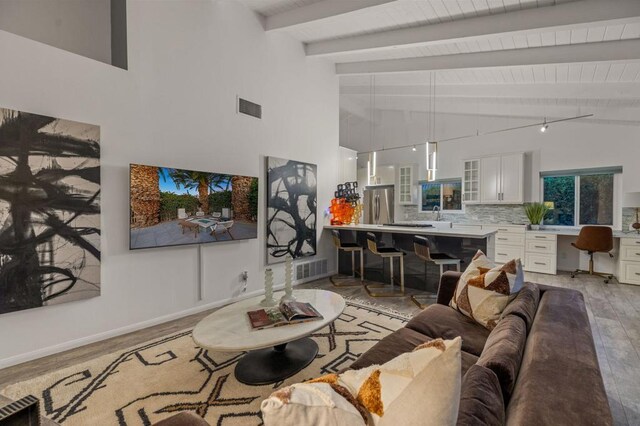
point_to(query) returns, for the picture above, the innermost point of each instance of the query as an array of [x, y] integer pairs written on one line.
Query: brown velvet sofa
[[537, 367]]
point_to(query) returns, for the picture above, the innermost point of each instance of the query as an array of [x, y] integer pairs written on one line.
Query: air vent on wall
[[307, 271], [249, 108]]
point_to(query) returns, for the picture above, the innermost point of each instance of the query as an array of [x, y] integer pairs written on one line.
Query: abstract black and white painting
[[291, 209], [49, 210]]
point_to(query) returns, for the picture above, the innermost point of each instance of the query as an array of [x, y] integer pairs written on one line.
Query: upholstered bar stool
[[348, 281], [594, 239], [421, 249], [390, 253]]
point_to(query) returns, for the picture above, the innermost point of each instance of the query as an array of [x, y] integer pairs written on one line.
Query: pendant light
[[372, 162], [431, 144]]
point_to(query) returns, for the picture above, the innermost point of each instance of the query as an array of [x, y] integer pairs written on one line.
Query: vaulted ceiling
[[504, 58]]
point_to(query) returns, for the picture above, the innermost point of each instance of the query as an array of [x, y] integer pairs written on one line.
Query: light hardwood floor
[[614, 312]]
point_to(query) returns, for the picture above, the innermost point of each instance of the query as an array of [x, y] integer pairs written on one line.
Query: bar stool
[[342, 281], [421, 249], [391, 253]]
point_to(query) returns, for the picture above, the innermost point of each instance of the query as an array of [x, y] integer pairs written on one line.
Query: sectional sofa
[[537, 367]]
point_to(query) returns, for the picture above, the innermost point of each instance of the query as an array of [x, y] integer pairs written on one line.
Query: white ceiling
[[511, 58]]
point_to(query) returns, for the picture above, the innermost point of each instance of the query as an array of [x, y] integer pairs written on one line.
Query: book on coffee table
[[285, 314]]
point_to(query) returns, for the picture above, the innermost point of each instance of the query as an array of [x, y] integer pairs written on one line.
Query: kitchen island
[[460, 243]]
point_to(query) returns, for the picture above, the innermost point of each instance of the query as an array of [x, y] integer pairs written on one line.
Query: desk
[[549, 249]]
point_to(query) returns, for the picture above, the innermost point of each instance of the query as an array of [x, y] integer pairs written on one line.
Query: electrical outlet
[[244, 277]]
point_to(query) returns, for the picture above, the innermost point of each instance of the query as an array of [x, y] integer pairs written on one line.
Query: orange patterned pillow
[[484, 289]]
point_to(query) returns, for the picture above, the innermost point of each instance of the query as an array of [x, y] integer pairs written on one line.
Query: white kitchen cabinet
[[509, 242], [471, 182], [501, 179], [405, 185], [490, 180], [512, 179], [629, 260], [541, 252]]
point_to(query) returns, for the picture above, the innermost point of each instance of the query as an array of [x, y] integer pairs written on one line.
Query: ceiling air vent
[[249, 108]]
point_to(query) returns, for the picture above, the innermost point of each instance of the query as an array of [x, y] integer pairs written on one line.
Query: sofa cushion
[[503, 352], [484, 289], [481, 401], [525, 304], [442, 321], [560, 369], [397, 343]]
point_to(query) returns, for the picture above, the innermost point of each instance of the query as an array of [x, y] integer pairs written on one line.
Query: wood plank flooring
[[614, 312]]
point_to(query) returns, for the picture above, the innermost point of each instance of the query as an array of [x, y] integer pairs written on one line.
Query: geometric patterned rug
[[154, 380]]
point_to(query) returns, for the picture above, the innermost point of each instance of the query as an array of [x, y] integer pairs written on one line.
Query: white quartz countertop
[[444, 232], [575, 231]]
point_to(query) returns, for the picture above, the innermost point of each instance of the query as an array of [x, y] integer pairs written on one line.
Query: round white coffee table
[[274, 353]]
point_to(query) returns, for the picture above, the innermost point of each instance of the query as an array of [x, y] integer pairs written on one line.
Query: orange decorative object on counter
[[345, 207]]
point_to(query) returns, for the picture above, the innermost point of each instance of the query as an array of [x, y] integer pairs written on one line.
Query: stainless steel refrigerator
[[378, 204]]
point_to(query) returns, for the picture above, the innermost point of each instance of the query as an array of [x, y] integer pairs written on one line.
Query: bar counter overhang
[[460, 243]]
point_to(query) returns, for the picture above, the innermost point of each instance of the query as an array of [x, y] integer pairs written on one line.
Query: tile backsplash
[[491, 213], [474, 213]]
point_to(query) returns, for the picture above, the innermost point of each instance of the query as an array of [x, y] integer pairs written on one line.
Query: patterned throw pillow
[[312, 404], [484, 289], [419, 387]]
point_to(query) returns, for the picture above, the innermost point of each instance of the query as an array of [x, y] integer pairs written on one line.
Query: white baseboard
[[76, 343]]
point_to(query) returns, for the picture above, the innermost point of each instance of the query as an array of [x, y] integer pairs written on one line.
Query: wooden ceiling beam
[[573, 15]]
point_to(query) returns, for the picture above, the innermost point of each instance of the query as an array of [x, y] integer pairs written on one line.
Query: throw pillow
[[419, 387], [312, 404], [484, 289]]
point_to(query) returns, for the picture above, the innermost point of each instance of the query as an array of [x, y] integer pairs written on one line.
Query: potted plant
[[535, 213]]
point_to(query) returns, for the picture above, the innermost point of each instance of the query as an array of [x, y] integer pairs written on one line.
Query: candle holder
[[288, 280], [268, 289]]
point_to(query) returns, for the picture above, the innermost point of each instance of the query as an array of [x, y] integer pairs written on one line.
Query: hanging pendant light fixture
[[372, 162], [431, 144], [432, 151]]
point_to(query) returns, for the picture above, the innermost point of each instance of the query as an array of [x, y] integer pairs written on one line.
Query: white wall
[[348, 161], [174, 107], [82, 27]]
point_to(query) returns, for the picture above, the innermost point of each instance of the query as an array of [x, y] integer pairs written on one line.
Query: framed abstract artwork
[[49, 210], [291, 209]]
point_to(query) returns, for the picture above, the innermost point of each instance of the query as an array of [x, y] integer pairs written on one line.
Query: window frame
[[441, 183], [617, 191]]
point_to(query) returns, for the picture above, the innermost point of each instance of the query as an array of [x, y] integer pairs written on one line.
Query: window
[[580, 199], [447, 196]]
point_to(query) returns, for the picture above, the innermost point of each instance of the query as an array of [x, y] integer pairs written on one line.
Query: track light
[[414, 149], [545, 126]]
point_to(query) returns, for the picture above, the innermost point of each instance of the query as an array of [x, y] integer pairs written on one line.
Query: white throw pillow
[[310, 404], [484, 289], [419, 387]]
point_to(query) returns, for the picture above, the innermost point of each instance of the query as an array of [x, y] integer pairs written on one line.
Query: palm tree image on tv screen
[[49, 210], [175, 207]]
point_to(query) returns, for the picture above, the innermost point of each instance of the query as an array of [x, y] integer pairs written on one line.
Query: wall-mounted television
[[171, 207]]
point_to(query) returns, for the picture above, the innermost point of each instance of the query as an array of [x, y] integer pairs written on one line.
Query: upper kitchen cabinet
[[471, 182], [499, 180], [406, 185]]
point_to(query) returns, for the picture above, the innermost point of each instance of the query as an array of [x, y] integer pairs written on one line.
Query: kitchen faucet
[[436, 209]]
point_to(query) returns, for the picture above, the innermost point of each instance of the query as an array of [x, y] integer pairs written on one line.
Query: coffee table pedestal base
[[272, 365]]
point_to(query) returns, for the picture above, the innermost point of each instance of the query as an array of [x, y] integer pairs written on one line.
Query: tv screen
[[171, 207]]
